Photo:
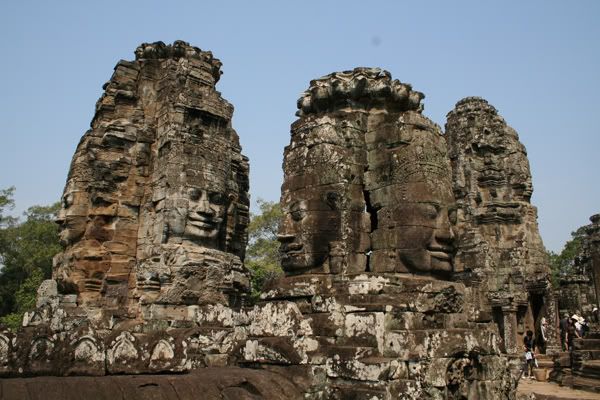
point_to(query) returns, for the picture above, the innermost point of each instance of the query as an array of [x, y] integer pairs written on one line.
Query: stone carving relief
[[162, 351], [4, 350], [499, 252], [366, 181], [122, 349], [41, 349], [157, 190], [87, 350]]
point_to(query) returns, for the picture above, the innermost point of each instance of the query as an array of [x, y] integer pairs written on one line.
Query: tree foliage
[[262, 254], [563, 263], [26, 251]]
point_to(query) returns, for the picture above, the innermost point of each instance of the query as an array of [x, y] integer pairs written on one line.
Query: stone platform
[[207, 384]]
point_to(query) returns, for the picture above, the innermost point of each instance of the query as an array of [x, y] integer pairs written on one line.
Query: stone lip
[[179, 49], [360, 88]]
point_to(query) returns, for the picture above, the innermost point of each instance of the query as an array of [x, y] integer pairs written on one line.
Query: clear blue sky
[[538, 62]]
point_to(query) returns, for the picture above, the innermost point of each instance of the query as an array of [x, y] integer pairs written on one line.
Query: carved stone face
[[423, 229], [412, 193], [72, 218], [201, 221], [206, 211], [311, 222]]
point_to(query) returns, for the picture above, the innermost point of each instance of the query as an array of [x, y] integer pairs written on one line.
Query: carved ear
[[231, 199], [332, 199], [230, 221]]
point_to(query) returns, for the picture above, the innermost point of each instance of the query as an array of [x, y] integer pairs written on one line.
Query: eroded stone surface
[[156, 203], [153, 223], [500, 252], [367, 242], [366, 181], [154, 227]]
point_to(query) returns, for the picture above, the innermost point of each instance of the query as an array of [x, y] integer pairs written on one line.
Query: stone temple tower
[[499, 248], [156, 188]]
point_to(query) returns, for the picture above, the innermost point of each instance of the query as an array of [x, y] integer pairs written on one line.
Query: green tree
[[26, 252], [6, 203], [563, 263], [262, 254]]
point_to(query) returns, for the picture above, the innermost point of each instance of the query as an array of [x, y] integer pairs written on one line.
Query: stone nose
[[203, 205], [286, 232], [444, 233], [61, 217]]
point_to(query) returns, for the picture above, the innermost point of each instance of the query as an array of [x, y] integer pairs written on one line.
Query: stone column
[[509, 314], [552, 317], [594, 233]]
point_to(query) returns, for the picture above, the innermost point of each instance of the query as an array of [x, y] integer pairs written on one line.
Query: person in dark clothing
[[563, 326], [572, 334], [529, 354]]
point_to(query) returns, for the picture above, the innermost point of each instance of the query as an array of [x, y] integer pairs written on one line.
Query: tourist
[[577, 322], [541, 338], [585, 327], [563, 327], [572, 334], [529, 354]]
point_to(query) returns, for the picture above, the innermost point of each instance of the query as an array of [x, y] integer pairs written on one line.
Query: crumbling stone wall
[[500, 252], [579, 291]]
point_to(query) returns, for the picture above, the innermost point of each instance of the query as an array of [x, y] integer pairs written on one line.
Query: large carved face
[[206, 211], [422, 232], [310, 224], [409, 177], [72, 217], [198, 216]]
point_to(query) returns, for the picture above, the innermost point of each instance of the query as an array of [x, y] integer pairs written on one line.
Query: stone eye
[[297, 211], [432, 211], [67, 200], [215, 198], [452, 216], [194, 194]]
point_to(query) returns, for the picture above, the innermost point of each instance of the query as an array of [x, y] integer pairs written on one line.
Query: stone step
[[562, 360], [589, 354], [589, 369], [587, 344], [549, 364], [567, 377], [587, 384]]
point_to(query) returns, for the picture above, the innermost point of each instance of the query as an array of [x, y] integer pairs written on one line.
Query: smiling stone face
[[367, 181], [206, 211], [312, 220], [409, 182], [417, 234]]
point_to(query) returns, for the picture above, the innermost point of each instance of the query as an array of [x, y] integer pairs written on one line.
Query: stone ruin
[[500, 253], [579, 290], [580, 293], [153, 224], [392, 288], [367, 246]]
